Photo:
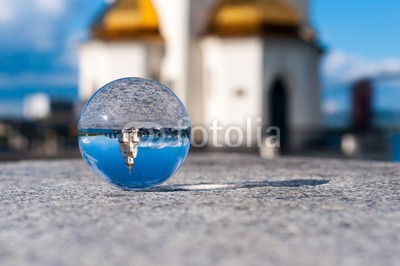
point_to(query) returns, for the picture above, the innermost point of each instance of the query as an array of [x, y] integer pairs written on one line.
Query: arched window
[[278, 111]]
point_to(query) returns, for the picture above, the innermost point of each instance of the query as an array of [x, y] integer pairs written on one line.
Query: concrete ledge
[[225, 209]]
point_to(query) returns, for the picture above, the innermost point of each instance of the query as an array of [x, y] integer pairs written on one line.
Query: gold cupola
[[127, 19], [251, 17]]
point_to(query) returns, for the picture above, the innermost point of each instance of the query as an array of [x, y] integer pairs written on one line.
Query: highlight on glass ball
[[134, 133]]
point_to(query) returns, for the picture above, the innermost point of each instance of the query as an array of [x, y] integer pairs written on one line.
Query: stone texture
[[225, 209]]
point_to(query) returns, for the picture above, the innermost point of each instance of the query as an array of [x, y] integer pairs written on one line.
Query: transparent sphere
[[134, 133]]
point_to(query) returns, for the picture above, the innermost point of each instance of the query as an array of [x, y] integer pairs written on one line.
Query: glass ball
[[134, 133]]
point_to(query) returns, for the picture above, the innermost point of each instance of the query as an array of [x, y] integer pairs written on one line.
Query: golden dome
[[248, 17], [127, 19]]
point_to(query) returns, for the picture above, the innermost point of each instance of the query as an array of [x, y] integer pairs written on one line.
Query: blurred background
[[327, 73]]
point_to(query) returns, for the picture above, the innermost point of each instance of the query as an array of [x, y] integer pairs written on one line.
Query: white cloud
[[6, 12], [55, 7], [50, 31], [344, 67], [32, 24]]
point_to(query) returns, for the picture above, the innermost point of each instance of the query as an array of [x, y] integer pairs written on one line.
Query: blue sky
[[369, 28], [362, 39], [38, 40]]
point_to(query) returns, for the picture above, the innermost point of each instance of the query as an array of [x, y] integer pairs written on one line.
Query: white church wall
[[181, 22], [89, 59], [199, 16], [232, 81], [174, 25], [195, 101], [103, 62], [297, 63], [125, 60]]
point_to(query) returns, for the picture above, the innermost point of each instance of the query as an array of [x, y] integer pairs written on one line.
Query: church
[[238, 62]]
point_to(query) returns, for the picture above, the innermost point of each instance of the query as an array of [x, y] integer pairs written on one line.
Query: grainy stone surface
[[225, 209]]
